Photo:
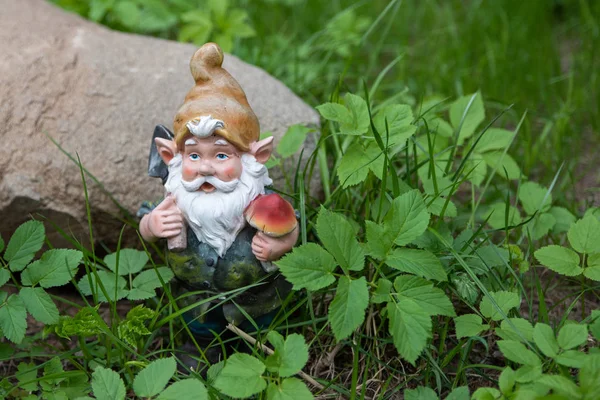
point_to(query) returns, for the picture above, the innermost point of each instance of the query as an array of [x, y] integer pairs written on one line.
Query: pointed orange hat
[[218, 95]]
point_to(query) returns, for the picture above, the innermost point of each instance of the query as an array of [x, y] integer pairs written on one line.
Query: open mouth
[[207, 187]]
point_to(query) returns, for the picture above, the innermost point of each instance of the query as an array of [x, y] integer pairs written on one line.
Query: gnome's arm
[[275, 220]]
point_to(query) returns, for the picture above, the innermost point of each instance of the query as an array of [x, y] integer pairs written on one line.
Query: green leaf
[[4, 276], [589, 377], [338, 238], [500, 162], [522, 330], [505, 301], [410, 327], [308, 266], [541, 225], [506, 382], [572, 335], [407, 219], [152, 380], [498, 220], [130, 261], [290, 355], [584, 235], [543, 336], [470, 118], [241, 376], [186, 389], [593, 267], [56, 267], [292, 140], [532, 197], [437, 205], [460, 393], [528, 373], [469, 325], [13, 319], [24, 243], [560, 259], [334, 112], [517, 352], [27, 373], [377, 247], [486, 393], [113, 285], [382, 293], [133, 327], [494, 139], [149, 280], [1, 244], [354, 165], [86, 323], [467, 289], [107, 384], [359, 121], [418, 262], [127, 13], [476, 168], [290, 389], [39, 304], [560, 384], [572, 358], [347, 310], [420, 393], [431, 299], [564, 219], [399, 118]]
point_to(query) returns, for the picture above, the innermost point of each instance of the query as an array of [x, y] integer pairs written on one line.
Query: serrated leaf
[[572, 335], [399, 118], [541, 225], [107, 384], [24, 243], [560, 259], [4, 276], [290, 389], [334, 112], [476, 168], [39, 304], [418, 262], [504, 165], [407, 219], [85, 323], [420, 393], [241, 376], [589, 376], [152, 380], [56, 267], [382, 293], [460, 393], [469, 325], [467, 289], [486, 393], [528, 373], [505, 300], [354, 165], [534, 197], [593, 267], [564, 219], [359, 121], [584, 235], [113, 284], [494, 139], [186, 389], [410, 327], [543, 336], [498, 218], [518, 329], [130, 261], [13, 320], [437, 205], [431, 299], [347, 310], [572, 358], [25, 375], [470, 117], [378, 242], [290, 355], [292, 140], [148, 280], [560, 384], [338, 238], [517, 352], [506, 382], [308, 266]]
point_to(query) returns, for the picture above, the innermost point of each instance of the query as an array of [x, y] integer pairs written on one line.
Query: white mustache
[[220, 185]]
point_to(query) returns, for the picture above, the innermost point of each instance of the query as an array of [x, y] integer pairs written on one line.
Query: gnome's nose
[[205, 169]]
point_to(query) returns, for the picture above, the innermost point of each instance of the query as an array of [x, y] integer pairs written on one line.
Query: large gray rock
[[98, 94]]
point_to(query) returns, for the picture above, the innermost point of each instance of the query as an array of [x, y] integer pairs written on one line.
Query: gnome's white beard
[[217, 217]]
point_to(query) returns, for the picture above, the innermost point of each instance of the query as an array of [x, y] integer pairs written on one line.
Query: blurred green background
[[540, 55]]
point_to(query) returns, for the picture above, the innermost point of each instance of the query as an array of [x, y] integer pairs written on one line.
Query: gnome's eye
[[222, 156], [194, 157]]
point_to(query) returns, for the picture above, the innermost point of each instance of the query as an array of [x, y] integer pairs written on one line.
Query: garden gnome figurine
[[216, 197]]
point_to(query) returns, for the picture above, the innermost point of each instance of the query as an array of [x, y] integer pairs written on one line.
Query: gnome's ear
[[262, 149], [166, 148]]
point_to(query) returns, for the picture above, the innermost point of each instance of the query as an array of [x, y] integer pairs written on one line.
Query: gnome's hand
[[268, 248], [165, 221]]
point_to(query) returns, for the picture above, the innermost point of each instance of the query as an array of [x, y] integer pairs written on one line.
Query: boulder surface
[[98, 94]]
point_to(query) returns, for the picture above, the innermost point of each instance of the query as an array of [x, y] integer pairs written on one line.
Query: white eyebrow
[[190, 142], [222, 142]]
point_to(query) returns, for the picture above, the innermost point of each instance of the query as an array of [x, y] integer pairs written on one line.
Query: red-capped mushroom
[[272, 215]]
